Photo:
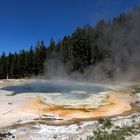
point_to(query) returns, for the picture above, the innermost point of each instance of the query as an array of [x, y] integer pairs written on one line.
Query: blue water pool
[[75, 89]]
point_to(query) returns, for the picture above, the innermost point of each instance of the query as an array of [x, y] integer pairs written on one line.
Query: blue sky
[[24, 22]]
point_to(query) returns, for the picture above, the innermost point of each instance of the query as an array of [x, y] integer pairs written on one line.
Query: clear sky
[[24, 22]]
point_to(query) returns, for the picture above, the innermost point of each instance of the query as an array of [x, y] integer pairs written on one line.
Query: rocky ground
[[117, 128], [29, 124]]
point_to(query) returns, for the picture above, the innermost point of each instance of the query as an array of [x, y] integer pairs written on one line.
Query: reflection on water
[[70, 90]]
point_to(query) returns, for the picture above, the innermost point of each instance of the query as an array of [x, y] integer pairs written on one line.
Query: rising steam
[[122, 40]]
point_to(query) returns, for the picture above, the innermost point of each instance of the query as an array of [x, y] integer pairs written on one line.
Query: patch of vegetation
[[136, 89], [107, 123], [118, 133]]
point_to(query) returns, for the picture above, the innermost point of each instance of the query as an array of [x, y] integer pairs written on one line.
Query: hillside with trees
[[108, 49]]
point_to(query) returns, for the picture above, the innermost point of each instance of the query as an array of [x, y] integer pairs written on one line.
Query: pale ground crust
[[15, 109]]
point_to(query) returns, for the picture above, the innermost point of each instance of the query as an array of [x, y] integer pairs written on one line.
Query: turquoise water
[[69, 89]]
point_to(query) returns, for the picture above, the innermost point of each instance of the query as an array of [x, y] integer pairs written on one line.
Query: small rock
[[79, 127], [59, 118], [55, 136], [137, 102], [13, 136]]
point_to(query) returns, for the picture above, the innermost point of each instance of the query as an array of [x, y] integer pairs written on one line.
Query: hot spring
[[49, 104], [65, 93], [68, 89]]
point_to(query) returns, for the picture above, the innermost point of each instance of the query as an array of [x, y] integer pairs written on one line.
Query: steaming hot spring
[[55, 102], [64, 100], [64, 93]]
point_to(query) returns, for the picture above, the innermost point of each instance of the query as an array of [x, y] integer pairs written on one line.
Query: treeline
[[25, 63], [109, 47]]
